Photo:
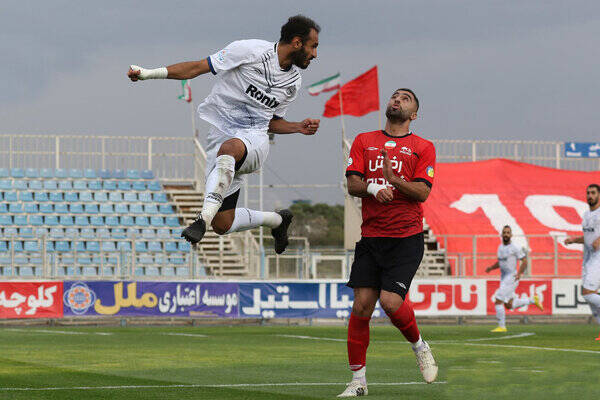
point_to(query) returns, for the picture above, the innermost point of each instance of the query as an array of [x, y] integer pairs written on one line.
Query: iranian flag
[[326, 85], [186, 91]]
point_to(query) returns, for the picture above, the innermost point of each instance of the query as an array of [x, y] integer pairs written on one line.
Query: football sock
[[593, 299], [522, 302], [358, 341], [360, 375], [501, 315], [217, 184], [404, 320], [249, 219]]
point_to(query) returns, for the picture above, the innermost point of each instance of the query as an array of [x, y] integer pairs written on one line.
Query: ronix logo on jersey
[[257, 94]]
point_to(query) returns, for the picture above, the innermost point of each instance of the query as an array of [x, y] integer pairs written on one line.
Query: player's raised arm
[[280, 126], [574, 239], [183, 70], [359, 188]]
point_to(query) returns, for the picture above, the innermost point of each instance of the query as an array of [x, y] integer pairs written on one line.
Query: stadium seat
[[147, 174], [163, 233], [125, 246], [97, 221], [79, 185], [104, 174], [136, 209], [38, 231], [112, 220], [3, 208], [154, 186], [49, 246], [155, 246], [100, 197], [26, 196], [148, 233], [157, 221], [71, 197], [132, 174], [50, 185], [88, 233], [26, 232], [79, 247], [115, 197], [93, 247], [106, 209], [61, 173], [66, 220], [17, 173], [133, 232], [10, 196], [62, 246], [4, 173], [124, 185], [139, 186], [75, 173], [32, 173], [90, 208], [130, 197], [158, 197], [5, 184], [95, 186], [118, 174], [31, 245], [118, 233], [61, 208], [19, 185], [56, 197], [35, 185], [81, 220], [146, 197], [20, 220], [72, 232], [127, 220], [17, 245], [166, 209], [150, 209], [40, 197], [76, 208], [109, 246], [89, 174], [10, 231], [121, 208], [36, 220], [3, 248], [142, 221], [172, 221], [177, 260], [14, 208], [85, 196], [47, 173], [141, 247], [103, 233], [109, 185], [171, 247], [57, 233], [30, 208], [65, 185], [184, 246]]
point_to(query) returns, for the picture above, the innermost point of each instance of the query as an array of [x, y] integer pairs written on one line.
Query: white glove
[[374, 188], [157, 73]]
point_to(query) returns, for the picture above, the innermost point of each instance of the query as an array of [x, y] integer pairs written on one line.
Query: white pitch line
[[233, 385], [57, 332], [525, 334], [515, 346], [312, 338], [185, 334], [489, 362]]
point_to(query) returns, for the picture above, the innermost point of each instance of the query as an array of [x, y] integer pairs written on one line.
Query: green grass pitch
[[273, 362]]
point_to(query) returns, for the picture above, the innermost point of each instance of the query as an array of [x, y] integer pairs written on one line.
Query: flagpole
[[342, 112], [193, 110]]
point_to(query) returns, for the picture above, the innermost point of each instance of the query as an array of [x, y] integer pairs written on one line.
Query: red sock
[[358, 341], [404, 320]]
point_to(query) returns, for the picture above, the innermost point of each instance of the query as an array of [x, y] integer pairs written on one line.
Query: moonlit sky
[[482, 69]]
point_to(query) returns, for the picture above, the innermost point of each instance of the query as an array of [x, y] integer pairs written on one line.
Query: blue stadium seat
[[71, 232], [56, 197], [10, 196], [100, 197], [145, 260], [40, 197], [3, 248], [88, 233], [124, 185], [126, 246], [133, 232], [93, 247], [155, 246], [90, 208], [112, 220], [130, 197], [79, 247], [20, 220], [4, 173], [106, 208], [17, 172], [10, 231], [154, 186], [32, 173], [95, 185], [147, 174], [118, 174], [104, 174], [66, 220], [84, 260], [115, 197], [177, 260], [145, 197], [109, 185], [47, 173], [163, 233], [31, 245], [81, 220], [16, 244], [65, 185], [89, 271], [150, 209], [109, 246], [3, 208], [40, 231], [103, 233], [127, 220], [90, 173], [62, 246], [35, 185], [132, 174], [141, 247], [85, 196], [172, 221], [75, 173], [61, 208], [166, 209], [50, 185], [1, 196], [118, 233], [26, 196], [49, 246], [142, 221], [171, 247], [136, 209], [30, 208], [36, 220], [61, 173], [157, 221], [14, 208], [184, 246], [97, 221], [57, 233], [51, 220], [121, 208], [140, 186], [26, 232], [19, 184], [148, 233], [158, 197], [79, 185], [5, 184], [72, 197], [76, 208]]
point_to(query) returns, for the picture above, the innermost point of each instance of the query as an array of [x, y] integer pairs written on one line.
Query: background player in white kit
[[508, 256], [591, 251], [256, 82]]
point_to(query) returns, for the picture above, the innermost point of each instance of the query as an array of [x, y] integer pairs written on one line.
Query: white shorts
[[257, 146], [506, 291], [590, 277]]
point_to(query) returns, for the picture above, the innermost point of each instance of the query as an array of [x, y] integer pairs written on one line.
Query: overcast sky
[[482, 69]]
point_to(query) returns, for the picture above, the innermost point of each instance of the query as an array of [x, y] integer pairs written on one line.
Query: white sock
[[360, 375], [217, 183], [593, 299], [501, 315], [248, 219], [522, 302], [418, 343]]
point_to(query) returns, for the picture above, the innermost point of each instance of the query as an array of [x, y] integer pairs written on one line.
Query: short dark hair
[[298, 25], [594, 185], [411, 92], [507, 226]]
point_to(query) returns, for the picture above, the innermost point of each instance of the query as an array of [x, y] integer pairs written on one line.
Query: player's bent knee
[[232, 147], [362, 309], [221, 227]]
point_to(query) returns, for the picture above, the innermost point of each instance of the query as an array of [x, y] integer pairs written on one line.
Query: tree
[[322, 223]]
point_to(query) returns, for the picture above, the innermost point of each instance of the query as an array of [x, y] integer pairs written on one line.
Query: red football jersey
[[413, 158]]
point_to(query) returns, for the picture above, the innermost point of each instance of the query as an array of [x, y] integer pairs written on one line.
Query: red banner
[[481, 197], [31, 299], [526, 289]]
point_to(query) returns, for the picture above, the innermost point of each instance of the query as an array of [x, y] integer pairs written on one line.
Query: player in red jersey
[[392, 171]]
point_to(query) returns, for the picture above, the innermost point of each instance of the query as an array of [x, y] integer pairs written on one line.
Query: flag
[[186, 93], [359, 96], [325, 85]]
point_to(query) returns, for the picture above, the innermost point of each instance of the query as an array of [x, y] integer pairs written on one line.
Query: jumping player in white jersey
[[508, 256], [256, 82], [591, 251]]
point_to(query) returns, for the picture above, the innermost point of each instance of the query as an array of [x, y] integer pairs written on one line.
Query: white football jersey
[[251, 87], [591, 232], [508, 257]]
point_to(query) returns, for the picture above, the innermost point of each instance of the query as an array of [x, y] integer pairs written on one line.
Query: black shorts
[[387, 263], [230, 202]]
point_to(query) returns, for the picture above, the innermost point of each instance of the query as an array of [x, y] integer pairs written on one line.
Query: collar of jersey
[[277, 58], [396, 137]]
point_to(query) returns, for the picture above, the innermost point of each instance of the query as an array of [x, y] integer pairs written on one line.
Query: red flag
[[360, 96]]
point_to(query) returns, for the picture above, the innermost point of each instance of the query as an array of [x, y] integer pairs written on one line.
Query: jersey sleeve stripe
[[210, 66], [351, 172], [424, 181]]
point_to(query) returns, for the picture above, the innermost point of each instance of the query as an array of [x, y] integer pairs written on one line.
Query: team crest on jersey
[[349, 161], [389, 144], [406, 150], [430, 171], [221, 55], [291, 90], [79, 298]]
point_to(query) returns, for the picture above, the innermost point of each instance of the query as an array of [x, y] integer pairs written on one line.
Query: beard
[[398, 115], [592, 202], [505, 240], [300, 58]]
